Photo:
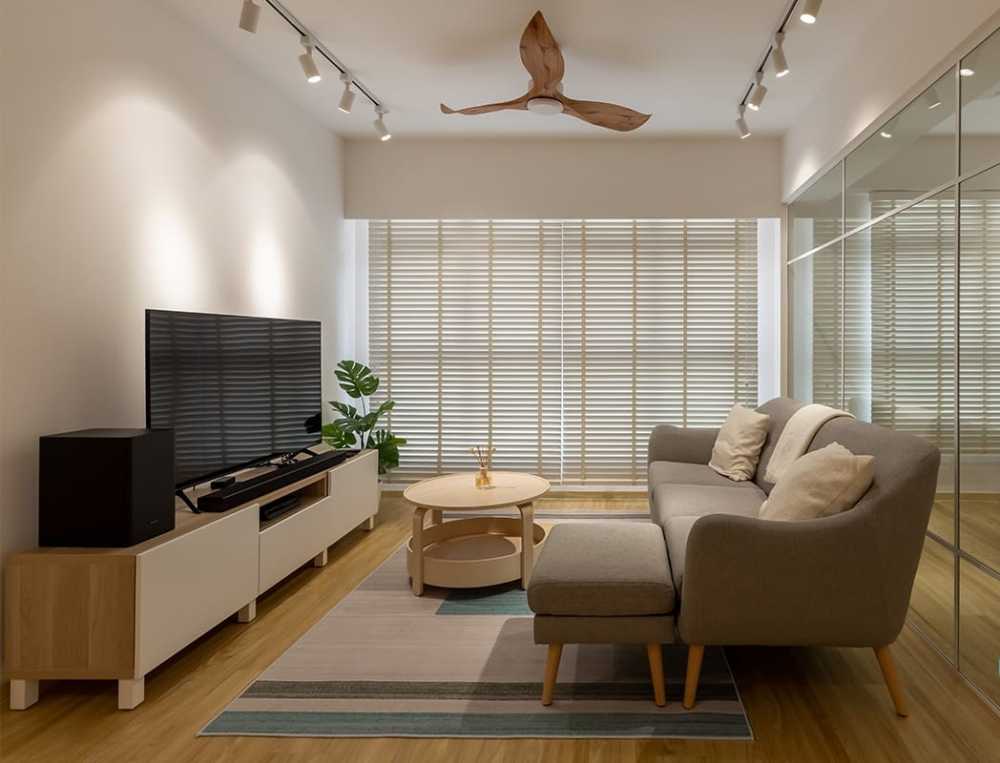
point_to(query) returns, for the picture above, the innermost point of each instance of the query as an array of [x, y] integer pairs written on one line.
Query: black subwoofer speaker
[[105, 487]]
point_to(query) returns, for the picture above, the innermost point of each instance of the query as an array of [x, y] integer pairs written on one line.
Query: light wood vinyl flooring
[[804, 704]]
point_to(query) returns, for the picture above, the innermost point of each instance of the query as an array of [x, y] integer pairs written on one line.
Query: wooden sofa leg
[[655, 654], [695, 654], [551, 671], [891, 677]]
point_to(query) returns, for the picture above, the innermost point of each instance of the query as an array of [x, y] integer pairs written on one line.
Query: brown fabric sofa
[[839, 581]]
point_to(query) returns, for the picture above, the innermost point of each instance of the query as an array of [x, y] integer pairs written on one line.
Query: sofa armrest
[[811, 582], [691, 446]]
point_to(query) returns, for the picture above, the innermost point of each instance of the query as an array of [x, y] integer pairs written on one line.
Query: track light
[[741, 123], [380, 129], [966, 71], [932, 98], [758, 92], [810, 11], [308, 64], [778, 56], [347, 99], [249, 16]]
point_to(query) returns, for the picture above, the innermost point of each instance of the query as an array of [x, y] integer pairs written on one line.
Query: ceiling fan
[[541, 57]]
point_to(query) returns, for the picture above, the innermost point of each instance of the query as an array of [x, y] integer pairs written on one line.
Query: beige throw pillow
[[820, 484], [737, 448]]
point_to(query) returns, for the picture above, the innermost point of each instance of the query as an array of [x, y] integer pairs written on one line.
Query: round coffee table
[[479, 551]]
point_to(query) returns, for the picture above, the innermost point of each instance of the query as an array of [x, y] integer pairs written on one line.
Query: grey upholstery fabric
[[690, 446], [602, 569], [780, 410], [677, 507], [681, 473], [843, 580], [648, 629]]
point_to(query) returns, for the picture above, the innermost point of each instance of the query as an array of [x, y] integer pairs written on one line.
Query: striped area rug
[[463, 663]]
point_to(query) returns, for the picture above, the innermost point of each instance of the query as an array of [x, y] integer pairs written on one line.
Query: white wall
[[614, 178], [895, 59], [143, 167]]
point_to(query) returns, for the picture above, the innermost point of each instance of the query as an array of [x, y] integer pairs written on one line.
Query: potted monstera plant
[[357, 426]]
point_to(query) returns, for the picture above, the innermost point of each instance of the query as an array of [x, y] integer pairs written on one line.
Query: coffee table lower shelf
[[472, 553]]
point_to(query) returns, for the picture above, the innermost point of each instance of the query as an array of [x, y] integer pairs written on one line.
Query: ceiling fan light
[[810, 11], [778, 56], [249, 16], [547, 106]]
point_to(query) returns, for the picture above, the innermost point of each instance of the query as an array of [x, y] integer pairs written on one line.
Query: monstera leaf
[[337, 436], [388, 446], [356, 379]]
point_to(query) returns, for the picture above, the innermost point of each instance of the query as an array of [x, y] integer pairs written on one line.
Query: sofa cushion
[[821, 483], [737, 448], [602, 569], [677, 507], [676, 473]]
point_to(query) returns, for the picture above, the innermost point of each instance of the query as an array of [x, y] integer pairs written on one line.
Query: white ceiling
[[685, 61]]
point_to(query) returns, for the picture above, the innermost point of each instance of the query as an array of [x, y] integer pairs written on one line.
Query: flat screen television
[[236, 390]]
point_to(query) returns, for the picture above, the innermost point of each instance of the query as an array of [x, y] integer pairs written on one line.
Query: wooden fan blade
[[541, 56], [517, 103], [609, 115]]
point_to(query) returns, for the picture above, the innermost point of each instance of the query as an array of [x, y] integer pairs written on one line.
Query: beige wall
[[142, 167], [901, 55], [611, 177]]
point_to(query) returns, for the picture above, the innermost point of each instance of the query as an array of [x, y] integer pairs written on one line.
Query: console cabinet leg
[[131, 693], [369, 523], [23, 694], [320, 559], [247, 613]]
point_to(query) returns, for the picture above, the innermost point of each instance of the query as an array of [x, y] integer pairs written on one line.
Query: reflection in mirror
[[815, 217], [817, 306], [909, 155], [980, 83], [980, 367], [899, 332], [979, 626], [932, 607]]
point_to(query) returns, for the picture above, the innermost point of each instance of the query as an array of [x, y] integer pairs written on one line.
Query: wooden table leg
[[527, 542], [417, 573], [437, 516]]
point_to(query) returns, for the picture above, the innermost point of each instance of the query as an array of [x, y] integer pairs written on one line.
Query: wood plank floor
[[804, 704]]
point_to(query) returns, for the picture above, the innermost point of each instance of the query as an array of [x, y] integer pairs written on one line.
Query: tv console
[[117, 613]]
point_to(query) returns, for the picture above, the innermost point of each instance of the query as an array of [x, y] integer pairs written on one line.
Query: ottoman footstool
[[603, 583]]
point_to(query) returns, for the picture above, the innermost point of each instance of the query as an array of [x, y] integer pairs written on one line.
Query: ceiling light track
[[316, 46], [753, 95]]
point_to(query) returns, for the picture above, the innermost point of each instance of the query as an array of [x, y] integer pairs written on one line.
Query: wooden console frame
[[117, 613]]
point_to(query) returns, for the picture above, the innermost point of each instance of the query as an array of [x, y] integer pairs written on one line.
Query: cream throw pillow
[[737, 448], [820, 484]]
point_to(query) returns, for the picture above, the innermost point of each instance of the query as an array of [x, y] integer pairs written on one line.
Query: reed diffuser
[[483, 455]]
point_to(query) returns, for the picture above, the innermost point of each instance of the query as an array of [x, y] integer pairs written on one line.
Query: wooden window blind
[[559, 342]]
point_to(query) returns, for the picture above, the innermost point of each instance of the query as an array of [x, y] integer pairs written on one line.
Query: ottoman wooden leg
[[551, 671], [655, 654], [695, 653]]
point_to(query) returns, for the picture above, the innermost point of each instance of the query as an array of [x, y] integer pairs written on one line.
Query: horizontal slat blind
[[913, 318], [980, 327], [560, 343]]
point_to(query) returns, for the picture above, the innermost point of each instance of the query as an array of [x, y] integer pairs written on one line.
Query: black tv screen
[[235, 390]]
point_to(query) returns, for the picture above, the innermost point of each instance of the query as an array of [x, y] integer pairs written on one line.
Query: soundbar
[[243, 492]]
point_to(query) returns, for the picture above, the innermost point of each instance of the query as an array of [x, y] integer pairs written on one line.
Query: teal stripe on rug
[[541, 724], [507, 599], [442, 690]]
